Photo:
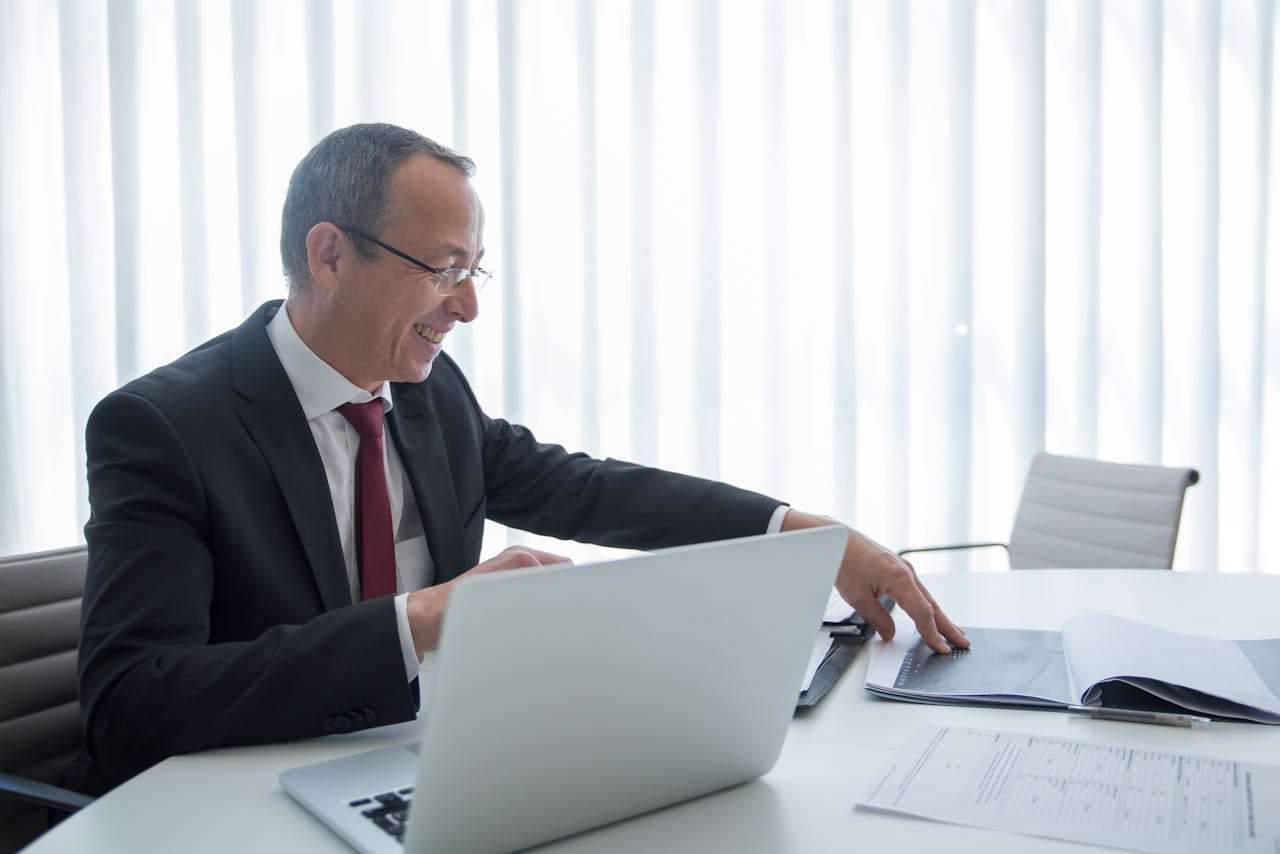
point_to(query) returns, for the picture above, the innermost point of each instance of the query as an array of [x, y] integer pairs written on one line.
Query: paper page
[[1264, 655], [1010, 665], [887, 656], [1069, 789], [838, 610], [816, 657], [1100, 647]]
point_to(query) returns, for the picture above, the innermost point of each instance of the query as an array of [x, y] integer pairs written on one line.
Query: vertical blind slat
[[1264, 30], [706, 364], [122, 48], [844, 453], [320, 82], [1150, 320], [195, 253], [10, 76], [1088, 92], [644, 395], [897, 371], [589, 178], [87, 205], [1207, 395], [462, 347], [959, 380], [509, 147], [1029, 233], [773, 114], [373, 61], [246, 72]]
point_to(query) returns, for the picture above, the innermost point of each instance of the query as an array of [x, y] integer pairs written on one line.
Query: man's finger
[[876, 616], [522, 557], [545, 558], [920, 607], [953, 633]]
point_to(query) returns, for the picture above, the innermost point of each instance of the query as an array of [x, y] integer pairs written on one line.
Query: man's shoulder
[[192, 376], [204, 378]]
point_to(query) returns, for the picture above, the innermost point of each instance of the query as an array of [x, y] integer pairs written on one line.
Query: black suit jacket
[[216, 607]]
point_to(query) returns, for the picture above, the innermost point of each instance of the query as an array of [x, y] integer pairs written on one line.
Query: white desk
[[228, 800]]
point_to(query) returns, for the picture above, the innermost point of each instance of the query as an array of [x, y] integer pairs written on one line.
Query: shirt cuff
[[775, 521], [411, 661]]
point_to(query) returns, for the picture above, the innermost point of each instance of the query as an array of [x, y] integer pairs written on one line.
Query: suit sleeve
[[154, 680], [572, 496]]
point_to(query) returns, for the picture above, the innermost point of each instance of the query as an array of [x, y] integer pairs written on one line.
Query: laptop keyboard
[[389, 810]]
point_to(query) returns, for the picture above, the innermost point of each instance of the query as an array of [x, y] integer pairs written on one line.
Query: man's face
[[398, 320]]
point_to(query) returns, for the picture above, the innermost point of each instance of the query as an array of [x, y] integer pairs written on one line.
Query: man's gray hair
[[346, 180]]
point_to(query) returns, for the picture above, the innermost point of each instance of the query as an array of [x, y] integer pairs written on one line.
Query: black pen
[[1140, 717]]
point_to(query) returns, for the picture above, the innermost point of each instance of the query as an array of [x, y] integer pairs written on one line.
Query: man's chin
[[413, 370], [423, 372]]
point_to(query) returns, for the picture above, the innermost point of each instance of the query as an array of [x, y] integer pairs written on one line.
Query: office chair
[[1078, 512], [40, 731]]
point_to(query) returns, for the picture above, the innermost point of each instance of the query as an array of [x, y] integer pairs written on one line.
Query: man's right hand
[[426, 607]]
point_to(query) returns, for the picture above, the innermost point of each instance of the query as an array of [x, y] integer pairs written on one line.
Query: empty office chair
[[40, 732], [1077, 512]]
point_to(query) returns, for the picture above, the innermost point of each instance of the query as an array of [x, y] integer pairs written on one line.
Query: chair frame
[[42, 794], [1193, 477]]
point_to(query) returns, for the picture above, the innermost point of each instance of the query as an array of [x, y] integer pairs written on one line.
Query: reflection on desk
[[228, 800]]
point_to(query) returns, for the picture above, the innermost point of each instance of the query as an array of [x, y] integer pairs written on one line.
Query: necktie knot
[[365, 417]]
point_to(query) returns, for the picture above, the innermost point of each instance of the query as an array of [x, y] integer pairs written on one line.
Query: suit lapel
[[274, 418], [416, 432]]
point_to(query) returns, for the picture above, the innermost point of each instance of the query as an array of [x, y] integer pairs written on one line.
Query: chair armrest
[[44, 794], [955, 547]]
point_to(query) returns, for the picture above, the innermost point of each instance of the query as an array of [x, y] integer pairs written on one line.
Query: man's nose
[[464, 302]]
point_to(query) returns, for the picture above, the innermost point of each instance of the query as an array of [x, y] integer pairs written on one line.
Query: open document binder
[[1096, 660]]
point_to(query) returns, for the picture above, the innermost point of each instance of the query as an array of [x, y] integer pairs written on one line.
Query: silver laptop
[[573, 696]]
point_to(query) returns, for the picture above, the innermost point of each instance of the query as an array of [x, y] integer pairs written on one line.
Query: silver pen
[[1140, 717]]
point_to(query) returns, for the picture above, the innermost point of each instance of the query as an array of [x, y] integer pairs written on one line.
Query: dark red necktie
[[375, 544]]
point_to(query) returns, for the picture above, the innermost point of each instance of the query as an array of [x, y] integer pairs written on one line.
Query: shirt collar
[[319, 387]]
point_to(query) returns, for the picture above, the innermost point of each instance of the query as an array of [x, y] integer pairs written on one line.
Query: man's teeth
[[428, 333]]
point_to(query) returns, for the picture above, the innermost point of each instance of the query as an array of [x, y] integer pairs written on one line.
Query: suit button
[[369, 714], [326, 724], [341, 723]]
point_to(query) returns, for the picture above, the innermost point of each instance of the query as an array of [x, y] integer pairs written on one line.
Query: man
[[263, 566]]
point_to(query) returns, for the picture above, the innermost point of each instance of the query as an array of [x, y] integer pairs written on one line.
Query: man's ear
[[325, 245]]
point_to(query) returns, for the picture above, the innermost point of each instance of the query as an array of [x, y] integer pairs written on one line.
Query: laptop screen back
[[569, 697]]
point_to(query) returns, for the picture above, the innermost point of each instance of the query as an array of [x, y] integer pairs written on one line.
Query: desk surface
[[228, 800]]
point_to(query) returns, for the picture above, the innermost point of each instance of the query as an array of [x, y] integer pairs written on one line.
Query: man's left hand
[[869, 571]]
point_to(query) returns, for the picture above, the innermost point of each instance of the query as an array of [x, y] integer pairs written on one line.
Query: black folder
[[847, 637]]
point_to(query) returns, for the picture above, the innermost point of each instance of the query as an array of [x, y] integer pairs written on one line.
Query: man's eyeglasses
[[447, 281]]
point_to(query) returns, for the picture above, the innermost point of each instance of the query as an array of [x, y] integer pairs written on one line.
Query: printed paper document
[[1040, 785]]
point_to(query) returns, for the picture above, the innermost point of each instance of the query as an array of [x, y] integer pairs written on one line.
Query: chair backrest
[[40, 731], [1088, 513]]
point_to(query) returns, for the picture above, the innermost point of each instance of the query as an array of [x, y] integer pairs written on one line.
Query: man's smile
[[432, 335]]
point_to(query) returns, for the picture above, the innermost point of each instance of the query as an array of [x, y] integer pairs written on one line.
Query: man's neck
[[326, 340]]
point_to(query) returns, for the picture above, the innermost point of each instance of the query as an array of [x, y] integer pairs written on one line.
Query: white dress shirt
[[321, 390]]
